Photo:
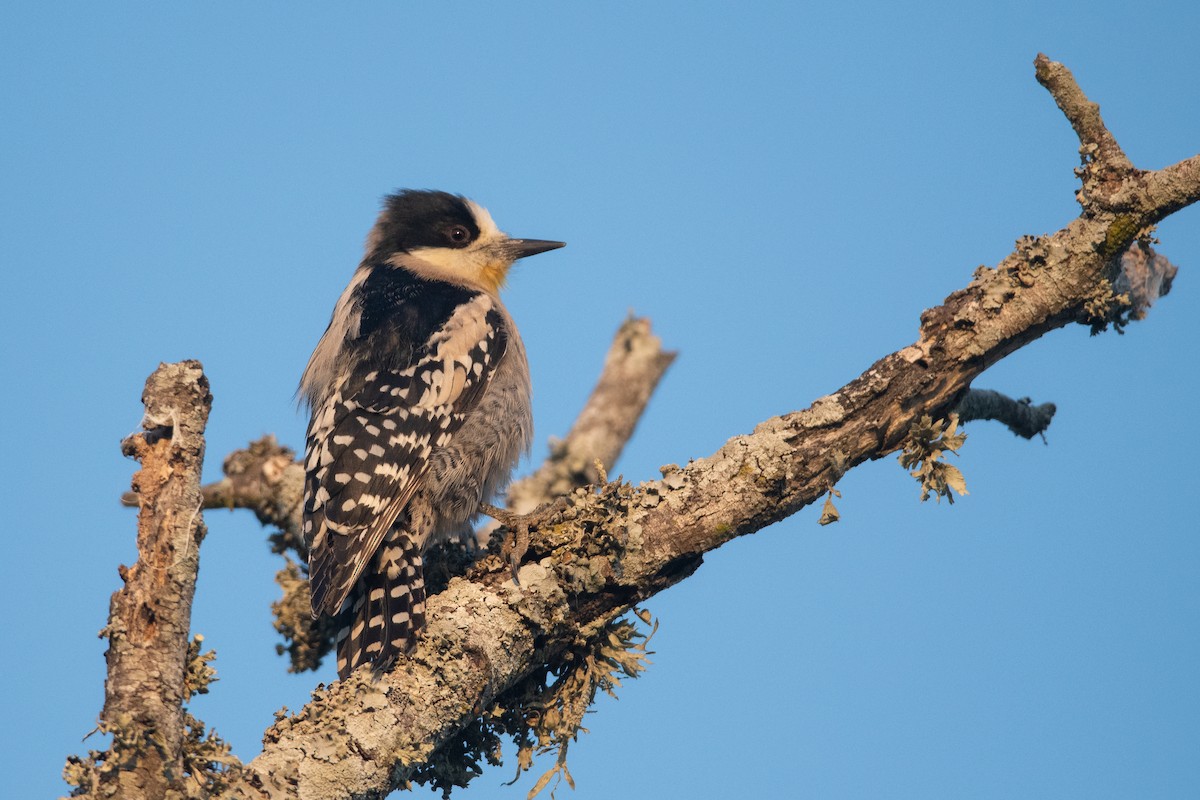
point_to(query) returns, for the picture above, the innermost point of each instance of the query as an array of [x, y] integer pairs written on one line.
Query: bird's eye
[[459, 235]]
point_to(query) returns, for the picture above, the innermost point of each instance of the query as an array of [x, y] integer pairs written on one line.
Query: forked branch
[[615, 545]]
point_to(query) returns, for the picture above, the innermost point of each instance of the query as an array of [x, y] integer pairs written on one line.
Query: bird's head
[[447, 237]]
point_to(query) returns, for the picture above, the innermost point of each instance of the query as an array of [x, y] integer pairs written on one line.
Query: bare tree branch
[[1174, 187], [1082, 113], [265, 477], [1110, 181], [609, 548], [614, 547], [150, 616]]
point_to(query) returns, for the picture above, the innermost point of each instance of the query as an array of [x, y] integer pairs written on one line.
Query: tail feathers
[[386, 609]]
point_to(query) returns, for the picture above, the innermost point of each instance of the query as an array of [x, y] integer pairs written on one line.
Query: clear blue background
[[782, 187]]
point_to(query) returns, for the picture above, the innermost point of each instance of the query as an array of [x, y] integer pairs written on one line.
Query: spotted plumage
[[369, 446], [419, 392]]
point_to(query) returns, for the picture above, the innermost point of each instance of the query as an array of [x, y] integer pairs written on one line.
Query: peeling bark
[[150, 615]]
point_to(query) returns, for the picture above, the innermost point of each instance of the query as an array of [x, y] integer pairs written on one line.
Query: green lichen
[[580, 543], [1121, 231]]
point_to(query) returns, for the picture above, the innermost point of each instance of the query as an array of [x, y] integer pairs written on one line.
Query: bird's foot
[[514, 547]]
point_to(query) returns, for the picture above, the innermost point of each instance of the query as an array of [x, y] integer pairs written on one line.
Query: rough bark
[[149, 616], [359, 738], [611, 547]]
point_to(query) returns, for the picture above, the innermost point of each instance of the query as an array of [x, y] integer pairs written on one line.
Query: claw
[[515, 546]]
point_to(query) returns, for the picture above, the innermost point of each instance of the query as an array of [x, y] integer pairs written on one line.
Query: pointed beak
[[520, 248]]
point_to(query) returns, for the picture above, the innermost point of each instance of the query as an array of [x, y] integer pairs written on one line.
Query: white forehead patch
[[487, 227]]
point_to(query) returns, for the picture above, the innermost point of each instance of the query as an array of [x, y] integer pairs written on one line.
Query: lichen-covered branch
[[1144, 277], [1174, 187], [265, 477], [150, 615], [1082, 113], [1110, 182], [610, 548]]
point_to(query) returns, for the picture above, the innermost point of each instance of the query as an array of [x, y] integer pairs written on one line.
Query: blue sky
[[783, 188]]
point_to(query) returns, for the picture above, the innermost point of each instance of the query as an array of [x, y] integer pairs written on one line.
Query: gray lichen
[[928, 442]]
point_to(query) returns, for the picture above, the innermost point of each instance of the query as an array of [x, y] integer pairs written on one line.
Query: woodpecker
[[419, 393]]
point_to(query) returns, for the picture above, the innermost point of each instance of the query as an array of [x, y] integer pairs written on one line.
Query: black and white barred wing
[[369, 445]]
